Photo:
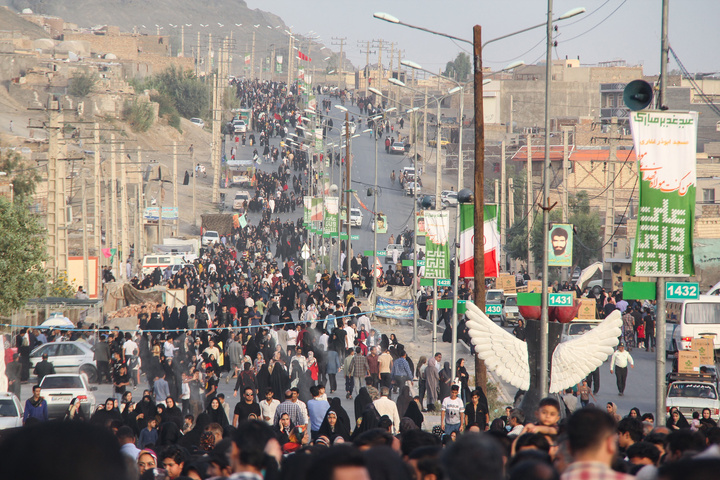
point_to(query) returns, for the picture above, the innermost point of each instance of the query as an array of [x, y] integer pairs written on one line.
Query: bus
[[688, 319]]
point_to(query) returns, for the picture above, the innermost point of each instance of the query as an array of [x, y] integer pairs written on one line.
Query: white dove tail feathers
[[502, 352], [575, 359]]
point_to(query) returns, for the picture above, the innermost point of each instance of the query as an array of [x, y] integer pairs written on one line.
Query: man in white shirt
[[619, 364], [385, 406], [268, 406], [350, 337], [452, 412]]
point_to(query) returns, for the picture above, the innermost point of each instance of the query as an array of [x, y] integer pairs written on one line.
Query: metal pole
[[96, 210], [543, 377], [113, 204], [140, 249], [435, 316], [479, 187], [415, 233], [502, 206], [174, 184], [375, 209], [456, 246], [86, 261], [438, 147], [660, 319], [348, 187], [124, 252]]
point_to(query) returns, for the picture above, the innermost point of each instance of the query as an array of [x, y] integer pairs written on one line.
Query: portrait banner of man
[[560, 245]]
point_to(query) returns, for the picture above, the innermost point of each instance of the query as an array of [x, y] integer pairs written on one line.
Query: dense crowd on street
[[293, 347]]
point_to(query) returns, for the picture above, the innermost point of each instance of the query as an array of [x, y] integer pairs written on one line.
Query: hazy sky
[[609, 30]]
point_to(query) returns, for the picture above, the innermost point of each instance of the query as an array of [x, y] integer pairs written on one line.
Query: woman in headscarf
[[172, 413], [462, 373], [413, 412], [706, 421], [612, 410], [259, 362], [216, 413], [279, 379], [263, 378], [446, 380], [432, 383], [304, 385], [676, 420], [191, 440], [336, 406], [169, 434], [384, 343], [634, 413], [361, 401], [403, 400], [74, 412], [333, 426]]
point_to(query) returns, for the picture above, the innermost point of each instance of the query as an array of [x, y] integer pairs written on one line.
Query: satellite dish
[[637, 95]]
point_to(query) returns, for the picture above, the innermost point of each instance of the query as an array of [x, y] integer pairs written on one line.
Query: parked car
[[412, 188], [449, 198], [443, 142], [353, 127], [58, 391], [397, 147], [198, 121], [493, 303], [67, 357], [391, 249], [11, 411], [209, 237], [576, 328]]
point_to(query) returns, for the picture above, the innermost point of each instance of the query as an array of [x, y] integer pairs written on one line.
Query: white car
[[11, 411], [240, 197], [239, 126], [353, 127], [412, 188], [448, 198], [510, 311], [209, 237], [576, 328], [397, 147], [690, 396], [67, 357], [391, 249], [198, 121], [356, 217], [58, 391]]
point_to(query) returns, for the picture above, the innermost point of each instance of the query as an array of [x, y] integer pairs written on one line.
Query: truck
[[217, 222], [239, 173]]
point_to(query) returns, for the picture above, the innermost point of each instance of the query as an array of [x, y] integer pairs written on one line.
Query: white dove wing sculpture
[[574, 359], [502, 352]]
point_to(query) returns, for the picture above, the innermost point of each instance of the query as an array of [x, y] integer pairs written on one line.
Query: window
[[62, 382], [708, 195], [69, 349], [8, 408], [50, 349], [702, 313]]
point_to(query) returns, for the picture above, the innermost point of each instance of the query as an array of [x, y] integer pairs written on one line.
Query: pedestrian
[[102, 360], [452, 412], [618, 364], [649, 331], [43, 368], [35, 407]]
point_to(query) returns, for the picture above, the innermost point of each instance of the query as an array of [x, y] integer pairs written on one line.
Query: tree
[[459, 69], [22, 253], [24, 179], [82, 83]]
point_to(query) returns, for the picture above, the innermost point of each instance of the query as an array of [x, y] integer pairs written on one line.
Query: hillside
[[12, 22], [130, 14]]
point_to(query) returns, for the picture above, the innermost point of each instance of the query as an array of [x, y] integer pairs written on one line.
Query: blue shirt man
[[317, 408], [35, 406]]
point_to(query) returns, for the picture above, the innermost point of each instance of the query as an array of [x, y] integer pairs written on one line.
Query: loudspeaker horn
[[637, 95]]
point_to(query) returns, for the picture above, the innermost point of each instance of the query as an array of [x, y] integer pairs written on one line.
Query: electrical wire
[[616, 175], [585, 17], [695, 86], [597, 24]]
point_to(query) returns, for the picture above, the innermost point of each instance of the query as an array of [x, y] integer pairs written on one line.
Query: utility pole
[[175, 190], [390, 70], [113, 202], [208, 65], [215, 142], [608, 250], [340, 69], [660, 307], [57, 212], [182, 40], [366, 70], [424, 139], [197, 56], [348, 187], [124, 219], [565, 197], [502, 205], [252, 59], [140, 248], [96, 208], [291, 58], [380, 68], [86, 261], [529, 201]]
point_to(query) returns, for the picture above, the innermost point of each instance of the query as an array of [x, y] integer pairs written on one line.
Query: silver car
[[58, 390], [11, 411], [67, 357]]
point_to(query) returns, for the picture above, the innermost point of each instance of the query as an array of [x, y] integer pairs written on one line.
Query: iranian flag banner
[[316, 210], [467, 240], [665, 145], [307, 208]]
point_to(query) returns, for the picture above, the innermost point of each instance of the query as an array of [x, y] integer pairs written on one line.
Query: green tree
[[459, 69], [60, 286], [24, 179], [139, 115], [82, 83], [22, 253]]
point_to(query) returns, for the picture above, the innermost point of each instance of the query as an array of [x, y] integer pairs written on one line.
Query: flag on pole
[[243, 222], [316, 212], [467, 241], [247, 59], [302, 56]]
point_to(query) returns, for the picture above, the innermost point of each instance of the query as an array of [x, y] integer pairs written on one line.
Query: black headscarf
[[403, 400], [413, 413], [192, 438], [217, 415], [169, 434], [362, 400], [342, 429]]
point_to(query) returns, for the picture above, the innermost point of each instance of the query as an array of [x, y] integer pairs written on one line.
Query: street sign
[[305, 252], [354, 237], [368, 253], [407, 263], [682, 291], [382, 253], [343, 236], [639, 290], [493, 309], [421, 263], [444, 282], [560, 299]]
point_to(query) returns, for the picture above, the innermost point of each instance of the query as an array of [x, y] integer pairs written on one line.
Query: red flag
[[278, 117], [302, 56]]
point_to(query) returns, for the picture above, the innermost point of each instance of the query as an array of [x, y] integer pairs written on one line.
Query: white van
[[151, 262], [693, 319]]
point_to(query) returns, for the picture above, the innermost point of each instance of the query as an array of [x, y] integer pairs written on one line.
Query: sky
[[609, 30]]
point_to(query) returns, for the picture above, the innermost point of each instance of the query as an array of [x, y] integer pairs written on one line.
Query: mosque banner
[[665, 145], [437, 250]]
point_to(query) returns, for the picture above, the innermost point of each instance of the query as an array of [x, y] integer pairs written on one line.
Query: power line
[[597, 24], [697, 88]]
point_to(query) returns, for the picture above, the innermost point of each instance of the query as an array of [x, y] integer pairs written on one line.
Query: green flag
[[437, 253], [665, 145], [243, 221]]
